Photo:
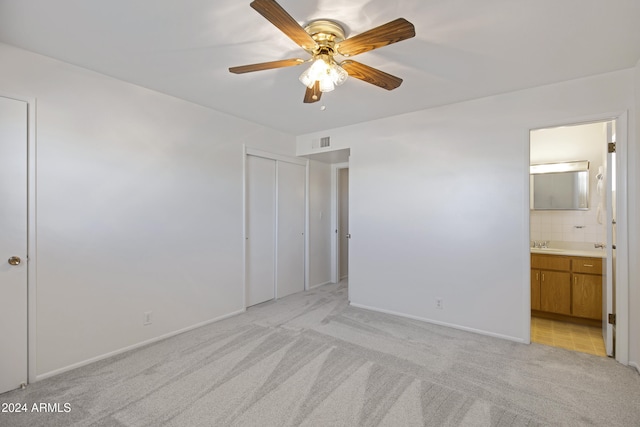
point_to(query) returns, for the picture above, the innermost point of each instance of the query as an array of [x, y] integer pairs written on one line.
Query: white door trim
[[622, 245], [335, 214], [622, 241], [32, 270], [248, 151], [31, 234]]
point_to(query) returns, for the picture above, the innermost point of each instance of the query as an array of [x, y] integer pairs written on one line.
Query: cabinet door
[[535, 289], [587, 296], [555, 292]]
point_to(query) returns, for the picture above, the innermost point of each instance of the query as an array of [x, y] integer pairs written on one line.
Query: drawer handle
[[587, 265], [543, 277]]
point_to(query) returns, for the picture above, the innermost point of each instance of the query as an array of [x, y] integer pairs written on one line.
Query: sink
[[549, 250], [595, 253]]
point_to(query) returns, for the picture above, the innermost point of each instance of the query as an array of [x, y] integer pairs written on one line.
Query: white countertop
[[595, 253]]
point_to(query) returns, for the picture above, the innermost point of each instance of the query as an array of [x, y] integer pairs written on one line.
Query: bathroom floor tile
[[585, 339]]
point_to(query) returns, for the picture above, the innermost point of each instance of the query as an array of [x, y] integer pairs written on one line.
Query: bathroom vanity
[[566, 286]]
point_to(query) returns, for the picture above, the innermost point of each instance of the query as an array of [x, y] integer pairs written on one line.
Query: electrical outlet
[[439, 303], [146, 320]]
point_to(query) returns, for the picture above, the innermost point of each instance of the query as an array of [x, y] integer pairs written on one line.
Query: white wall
[[319, 223], [439, 202], [139, 208], [566, 144]]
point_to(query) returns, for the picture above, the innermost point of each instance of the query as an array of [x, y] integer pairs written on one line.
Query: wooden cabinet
[[567, 286], [555, 291], [587, 296], [535, 289]]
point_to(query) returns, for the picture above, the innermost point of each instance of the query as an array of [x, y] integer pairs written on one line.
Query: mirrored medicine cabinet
[[560, 186]]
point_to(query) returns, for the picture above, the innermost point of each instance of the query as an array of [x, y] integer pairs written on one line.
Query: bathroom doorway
[[572, 220]]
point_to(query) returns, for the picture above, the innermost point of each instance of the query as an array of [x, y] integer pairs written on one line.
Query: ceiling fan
[[323, 39]]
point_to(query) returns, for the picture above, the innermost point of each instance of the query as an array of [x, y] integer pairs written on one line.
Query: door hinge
[[612, 318], [611, 147]]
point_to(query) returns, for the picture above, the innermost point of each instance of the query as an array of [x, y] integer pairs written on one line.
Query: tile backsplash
[[568, 226]]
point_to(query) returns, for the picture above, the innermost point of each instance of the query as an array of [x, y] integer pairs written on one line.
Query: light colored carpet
[[311, 360]]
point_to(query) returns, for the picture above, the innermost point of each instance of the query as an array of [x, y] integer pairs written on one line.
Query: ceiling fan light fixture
[[322, 39], [313, 73], [326, 85], [326, 72], [338, 74]]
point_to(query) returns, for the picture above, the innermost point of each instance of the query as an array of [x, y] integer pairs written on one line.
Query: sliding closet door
[[275, 251], [261, 241], [290, 237]]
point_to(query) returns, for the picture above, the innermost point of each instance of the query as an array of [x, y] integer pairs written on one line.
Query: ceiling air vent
[[325, 141]]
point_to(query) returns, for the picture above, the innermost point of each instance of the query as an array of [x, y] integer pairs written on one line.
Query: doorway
[[340, 221], [343, 223], [13, 245], [573, 245]]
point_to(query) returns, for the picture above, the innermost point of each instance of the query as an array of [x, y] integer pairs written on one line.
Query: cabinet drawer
[[586, 265], [551, 262]]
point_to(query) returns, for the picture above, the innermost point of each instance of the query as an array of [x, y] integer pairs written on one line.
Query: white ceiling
[[463, 49]]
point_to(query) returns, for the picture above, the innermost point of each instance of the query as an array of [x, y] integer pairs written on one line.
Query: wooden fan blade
[[371, 75], [279, 17], [313, 94], [391, 32], [266, 65]]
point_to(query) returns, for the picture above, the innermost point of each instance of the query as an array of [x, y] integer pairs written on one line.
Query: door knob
[[14, 260]]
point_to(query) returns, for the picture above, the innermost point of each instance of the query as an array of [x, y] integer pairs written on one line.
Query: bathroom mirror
[[560, 186]]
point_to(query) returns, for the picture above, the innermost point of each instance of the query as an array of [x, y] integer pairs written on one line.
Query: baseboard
[[134, 346], [635, 365], [437, 322], [319, 284]]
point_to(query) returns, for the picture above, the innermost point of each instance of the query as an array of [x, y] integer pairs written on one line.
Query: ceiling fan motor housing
[[326, 34]]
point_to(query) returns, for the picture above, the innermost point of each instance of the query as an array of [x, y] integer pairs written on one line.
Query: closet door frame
[[248, 151]]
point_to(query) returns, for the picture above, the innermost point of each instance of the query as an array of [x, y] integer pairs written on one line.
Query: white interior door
[[260, 238], [608, 291], [13, 244], [291, 223]]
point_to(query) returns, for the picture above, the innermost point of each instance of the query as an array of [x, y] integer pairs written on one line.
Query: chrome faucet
[[599, 245]]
